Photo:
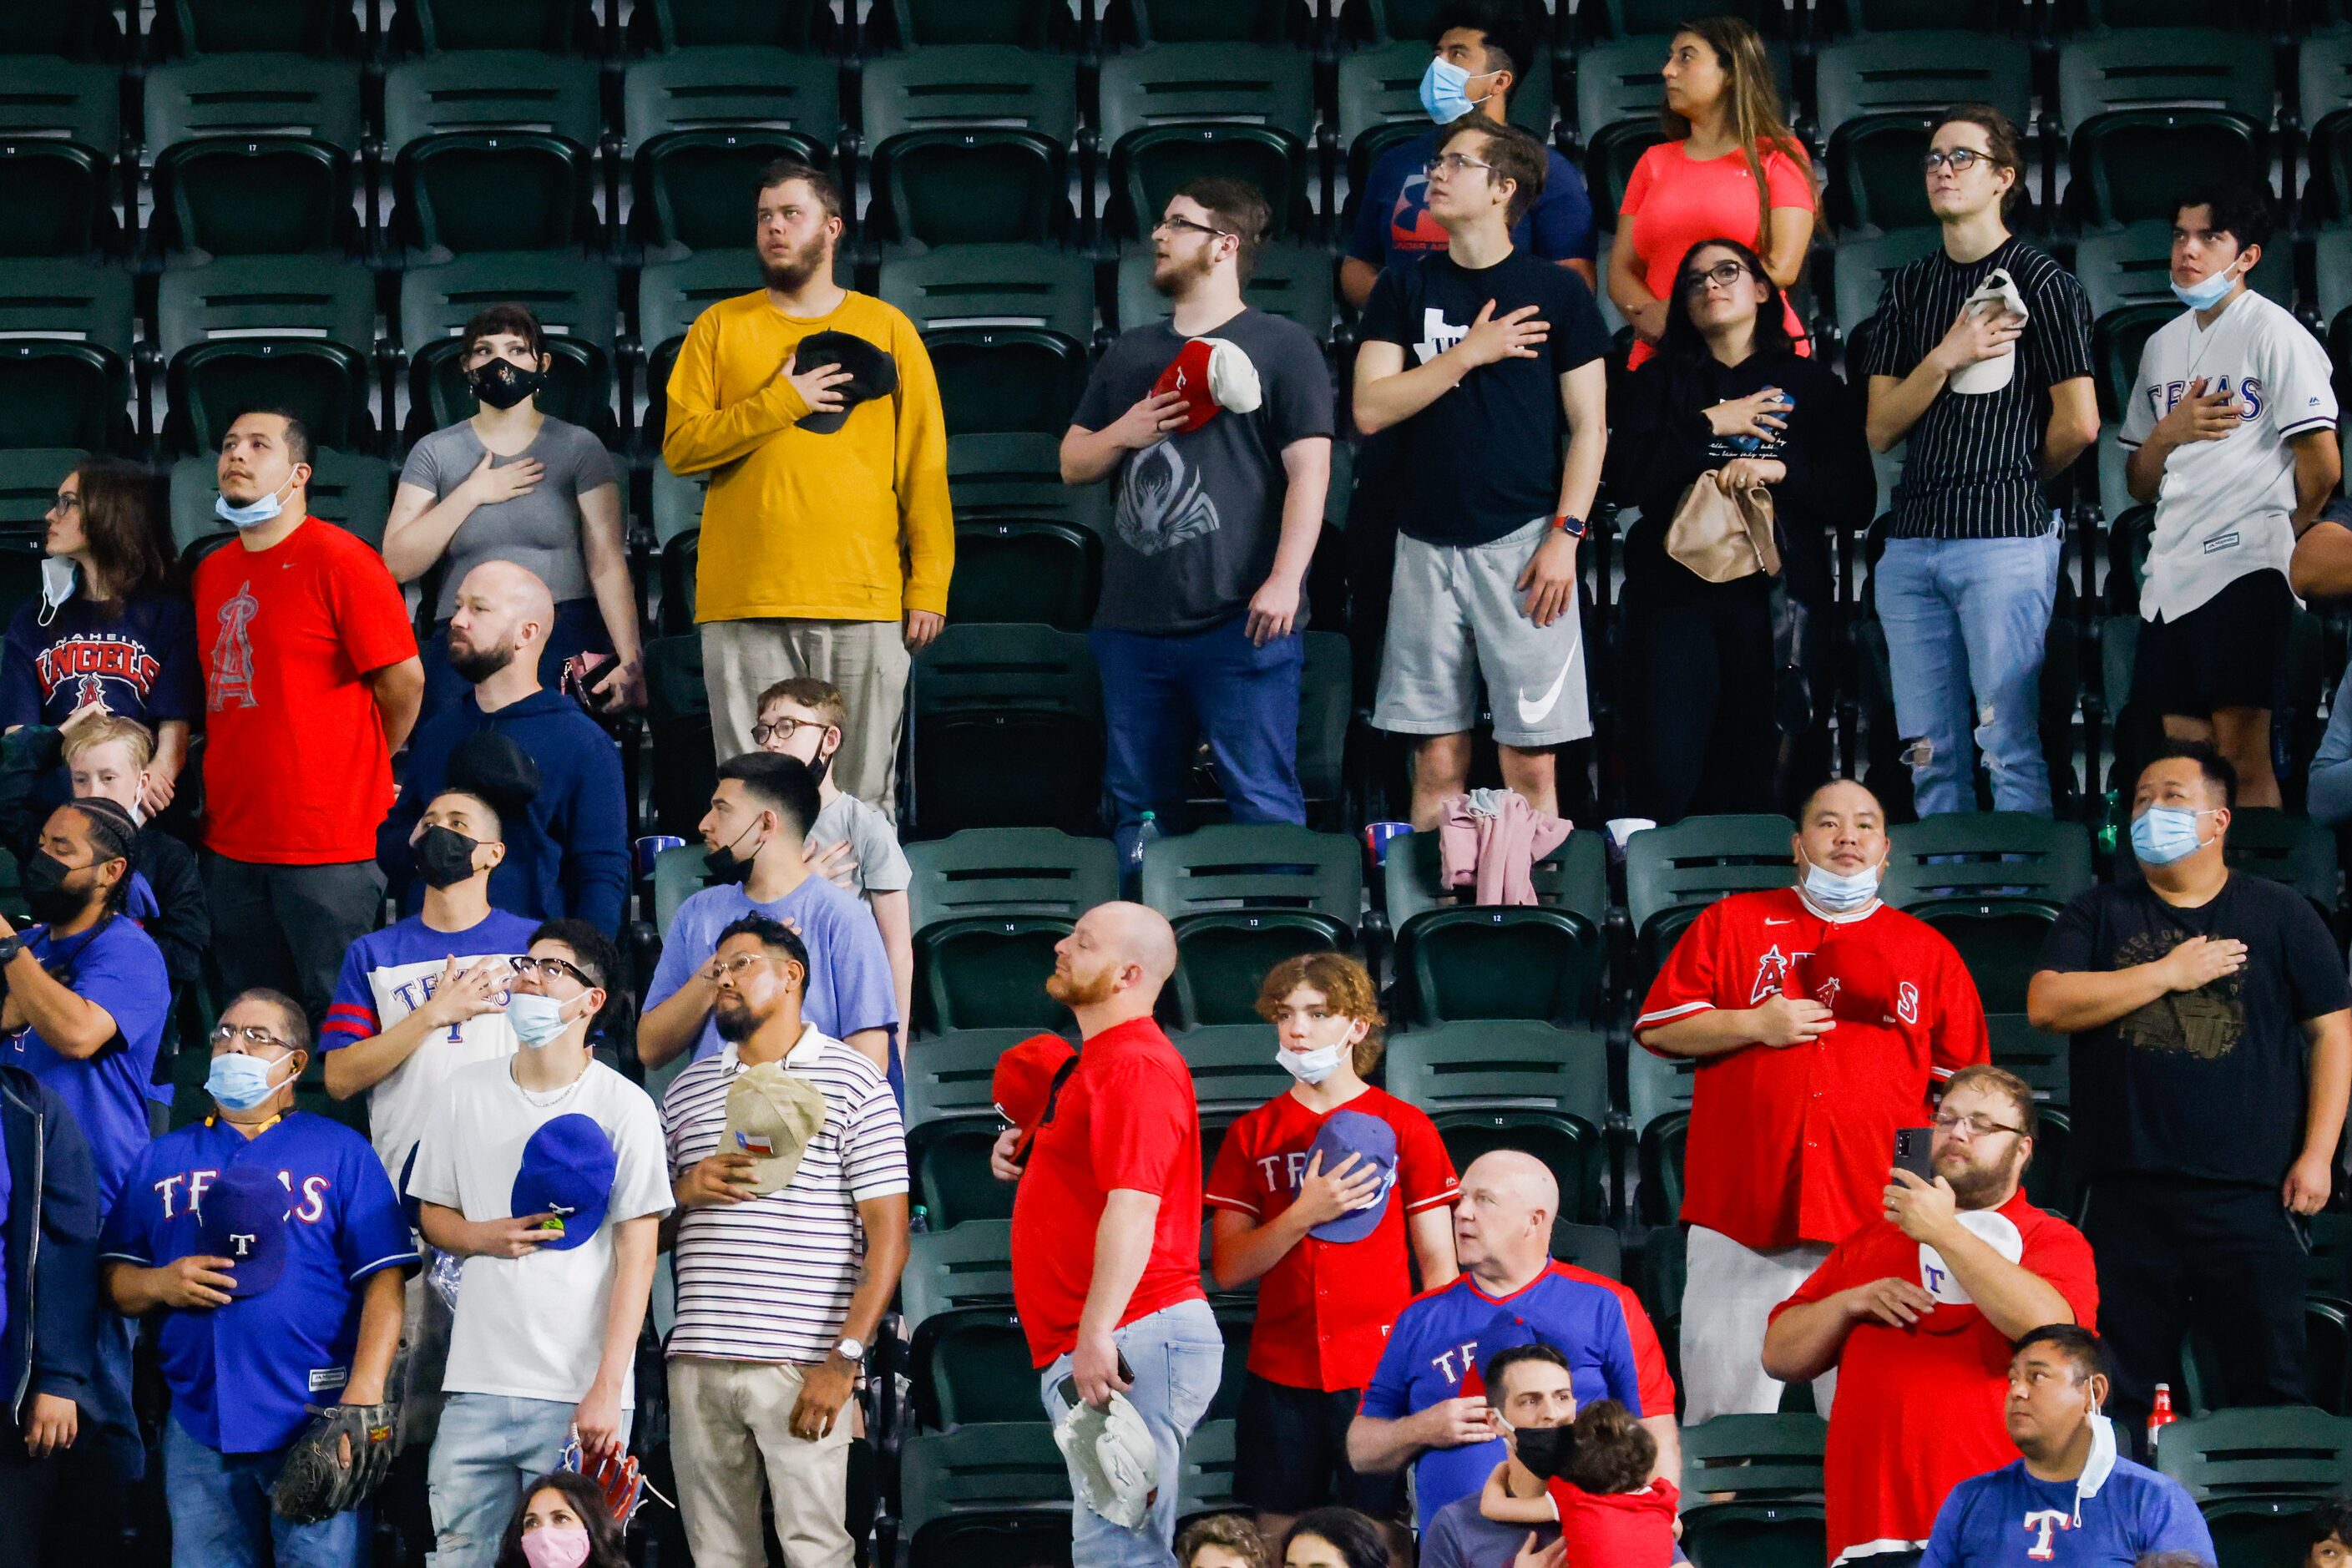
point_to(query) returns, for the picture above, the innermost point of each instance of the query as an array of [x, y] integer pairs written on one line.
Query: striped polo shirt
[[769, 1278], [1972, 465]]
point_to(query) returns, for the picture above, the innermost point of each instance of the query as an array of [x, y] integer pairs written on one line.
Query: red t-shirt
[[1919, 1410], [1681, 201], [1622, 1530], [297, 772], [1793, 1144], [1126, 1119], [1324, 1310]]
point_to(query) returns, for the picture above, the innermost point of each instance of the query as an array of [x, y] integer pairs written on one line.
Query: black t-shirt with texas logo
[[2207, 1083]]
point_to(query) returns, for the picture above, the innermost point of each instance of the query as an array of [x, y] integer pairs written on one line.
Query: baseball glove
[[336, 1461]]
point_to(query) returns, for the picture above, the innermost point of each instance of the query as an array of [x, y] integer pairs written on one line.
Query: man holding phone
[[1918, 1309]]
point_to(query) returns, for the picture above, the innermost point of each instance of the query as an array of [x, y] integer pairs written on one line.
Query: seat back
[[493, 190], [1233, 1070], [987, 972], [1755, 1456], [2276, 1450], [968, 286], [981, 1470], [950, 1077], [1701, 858], [1573, 876], [67, 298], [1293, 281], [735, 88], [476, 90], [656, 26], [59, 199], [573, 297], [969, 144], [351, 490], [255, 297], [233, 95], [971, 1266], [56, 393], [1570, 1146], [1203, 84], [1922, 70], [1505, 1064], [1595, 1248], [972, 1364], [2125, 163], [77, 102], [1023, 569], [2127, 68], [1006, 723], [689, 184], [1010, 871], [1006, 379], [252, 196], [1233, 866], [2005, 853]]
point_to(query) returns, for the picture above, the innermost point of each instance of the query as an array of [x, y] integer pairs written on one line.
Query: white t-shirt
[[2225, 508], [533, 1328]]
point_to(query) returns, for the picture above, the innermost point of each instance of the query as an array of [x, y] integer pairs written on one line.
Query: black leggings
[[1698, 698]]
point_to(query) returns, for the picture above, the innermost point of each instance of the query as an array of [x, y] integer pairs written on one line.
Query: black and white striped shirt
[[1972, 468], [769, 1278]]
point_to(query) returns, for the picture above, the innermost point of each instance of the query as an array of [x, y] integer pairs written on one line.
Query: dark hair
[[2216, 768], [498, 822], [2331, 1517], [1754, 114], [781, 783], [592, 954], [783, 171], [2007, 1084], [2241, 211], [1360, 1541], [772, 935], [2001, 139], [1683, 341], [123, 548], [297, 1023], [1611, 1450], [587, 1500], [1504, 1360], [1509, 42], [1517, 155], [1239, 208], [297, 435], [494, 320], [113, 836], [1235, 1533], [2078, 1344]]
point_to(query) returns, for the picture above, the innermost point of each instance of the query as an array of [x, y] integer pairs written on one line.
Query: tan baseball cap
[[772, 1115]]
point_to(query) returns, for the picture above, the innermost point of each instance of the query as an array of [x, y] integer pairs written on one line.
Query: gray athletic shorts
[[1456, 613]]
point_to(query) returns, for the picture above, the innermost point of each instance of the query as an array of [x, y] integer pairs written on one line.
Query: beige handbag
[[1724, 538]]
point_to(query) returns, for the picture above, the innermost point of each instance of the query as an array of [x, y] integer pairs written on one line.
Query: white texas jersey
[[2225, 508]]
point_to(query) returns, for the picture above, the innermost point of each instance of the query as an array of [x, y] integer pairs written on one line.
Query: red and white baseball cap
[[1026, 1078], [1212, 373]]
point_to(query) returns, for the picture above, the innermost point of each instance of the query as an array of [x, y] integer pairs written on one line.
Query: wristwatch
[[1572, 526], [851, 1351], [10, 946]]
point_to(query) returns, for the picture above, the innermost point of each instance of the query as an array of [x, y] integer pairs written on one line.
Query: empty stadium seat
[[1244, 897], [952, 1124], [1859, 270], [492, 151], [66, 331], [2256, 1473], [1020, 476], [59, 197], [970, 1266], [554, 27], [1175, 111], [1006, 327], [1673, 873], [1761, 1477], [972, 1364], [1872, 182], [2150, 109], [1924, 69], [657, 25], [1457, 959], [970, 145], [1030, 569], [1513, 1084], [937, 23], [988, 1495], [258, 330], [259, 195], [701, 122], [1007, 727]]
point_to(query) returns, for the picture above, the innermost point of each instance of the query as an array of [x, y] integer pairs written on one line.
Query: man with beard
[[567, 842], [1220, 480], [825, 478], [783, 1271], [1106, 1220], [1917, 1310]]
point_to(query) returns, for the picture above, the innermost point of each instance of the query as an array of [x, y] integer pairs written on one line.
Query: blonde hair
[[95, 732], [1756, 121], [1346, 985]]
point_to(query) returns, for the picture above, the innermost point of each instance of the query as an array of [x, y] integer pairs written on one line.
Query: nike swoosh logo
[[1773, 922], [1535, 712]]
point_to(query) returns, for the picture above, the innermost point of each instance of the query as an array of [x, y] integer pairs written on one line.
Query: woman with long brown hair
[[1729, 166], [109, 631]]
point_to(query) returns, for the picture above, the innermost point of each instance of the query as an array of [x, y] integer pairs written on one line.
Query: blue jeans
[[1965, 623], [1159, 691], [489, 1448], [221, 1514], [1178, 1357]]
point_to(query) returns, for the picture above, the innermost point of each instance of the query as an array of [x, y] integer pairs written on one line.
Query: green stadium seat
[[670, 295], [1609, 156], [970, 145], [701, 123], [2041, 1060], [2150, 109], [949, 24], [1010, 871], [1576, 1154], [1006, 327], [59, 392], [249, 95], [183, 28], [1007, 380], [2255, 1474], [1020, 476], [1513, 1084], [491, 90], [1206, 1484], [1657, 1086], [2327, 1337], [970, 1266], [2131, 266], [1379, 99], [1673, 873], [657, 25], [987, 972], [988, 1495], [1264, 22], [1872, 184], [492, 190], [1243, 898], [248, 331], [1659, 1153], [1009, 570], [1762, 1478], [28, 487], [574, 297], [951, 1124], [1178, 110], [1233, 1072], [552, 26], [350, 490], [48, 99], [677, 569], [1006, 724], [1293, 281], [971, 1365], [1922, 70], [2052, 1182], [69, 29], [677, 714], [1859, 270], [951, 1078], [2275, 845], [59, 197], [691, 185], [258, 196], [1458, 960], [1595, 1248], [677, 511], [1975, 865]]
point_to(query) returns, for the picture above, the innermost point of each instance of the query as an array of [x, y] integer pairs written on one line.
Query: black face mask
[[445, 856], [502, 383], [1543, 1450], [723, 867], [46, 893]]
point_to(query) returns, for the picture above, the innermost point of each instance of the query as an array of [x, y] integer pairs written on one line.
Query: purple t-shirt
[[849, 985]]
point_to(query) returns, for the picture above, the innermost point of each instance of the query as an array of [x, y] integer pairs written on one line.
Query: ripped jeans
[[1965, 622]]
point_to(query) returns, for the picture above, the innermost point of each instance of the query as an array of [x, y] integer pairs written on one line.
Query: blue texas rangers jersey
[[1435, 1348], [241, 1374], [2008, 1519]]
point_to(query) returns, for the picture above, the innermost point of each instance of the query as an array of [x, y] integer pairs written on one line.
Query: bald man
[[553, 776], [1426, 1405], [1107, 1220]]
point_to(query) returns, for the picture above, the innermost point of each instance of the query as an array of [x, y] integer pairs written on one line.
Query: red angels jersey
[[1793, 1145]]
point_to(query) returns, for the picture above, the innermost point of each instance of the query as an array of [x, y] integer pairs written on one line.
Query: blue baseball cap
[[243, 1220], [1505, 1331], [1353, 1132], [567, 1171]]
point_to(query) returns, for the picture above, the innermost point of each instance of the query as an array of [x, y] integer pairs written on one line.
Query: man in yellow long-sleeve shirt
[[824, 554]]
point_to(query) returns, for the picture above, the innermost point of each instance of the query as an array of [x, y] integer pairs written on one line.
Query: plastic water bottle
[[1147, 833]]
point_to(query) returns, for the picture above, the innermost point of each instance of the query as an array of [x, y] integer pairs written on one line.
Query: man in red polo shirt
[[1920, 1307], [1821, 1021], [1107, 1220], [312, 682]]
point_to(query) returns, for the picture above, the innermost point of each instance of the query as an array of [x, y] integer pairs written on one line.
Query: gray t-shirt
[[1459, 1536], [540, 531], [881, 865], [1198, 515]]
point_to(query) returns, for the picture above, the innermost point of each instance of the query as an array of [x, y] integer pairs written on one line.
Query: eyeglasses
[[1186, 225], [1452, 164], [1949, 1121], [68, 500], [245, 1034], [550, 969], [729, 971], [1722, 275], [786, 728], [1962, 159]]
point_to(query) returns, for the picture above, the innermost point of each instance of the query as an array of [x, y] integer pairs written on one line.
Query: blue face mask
[[2208, 292], [2163, 834], [537, 1020], [241, 1082], [1841, 895], [253, 513], [1443, 91]]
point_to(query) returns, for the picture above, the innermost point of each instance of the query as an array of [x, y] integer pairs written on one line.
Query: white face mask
[[57, 585], [1838, 894], [1311, 1066]]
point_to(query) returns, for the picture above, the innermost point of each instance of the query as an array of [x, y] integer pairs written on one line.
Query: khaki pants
[[867, 659], [729, 1420]]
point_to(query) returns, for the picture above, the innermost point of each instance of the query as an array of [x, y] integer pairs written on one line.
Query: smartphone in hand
[[1914, 1149]]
